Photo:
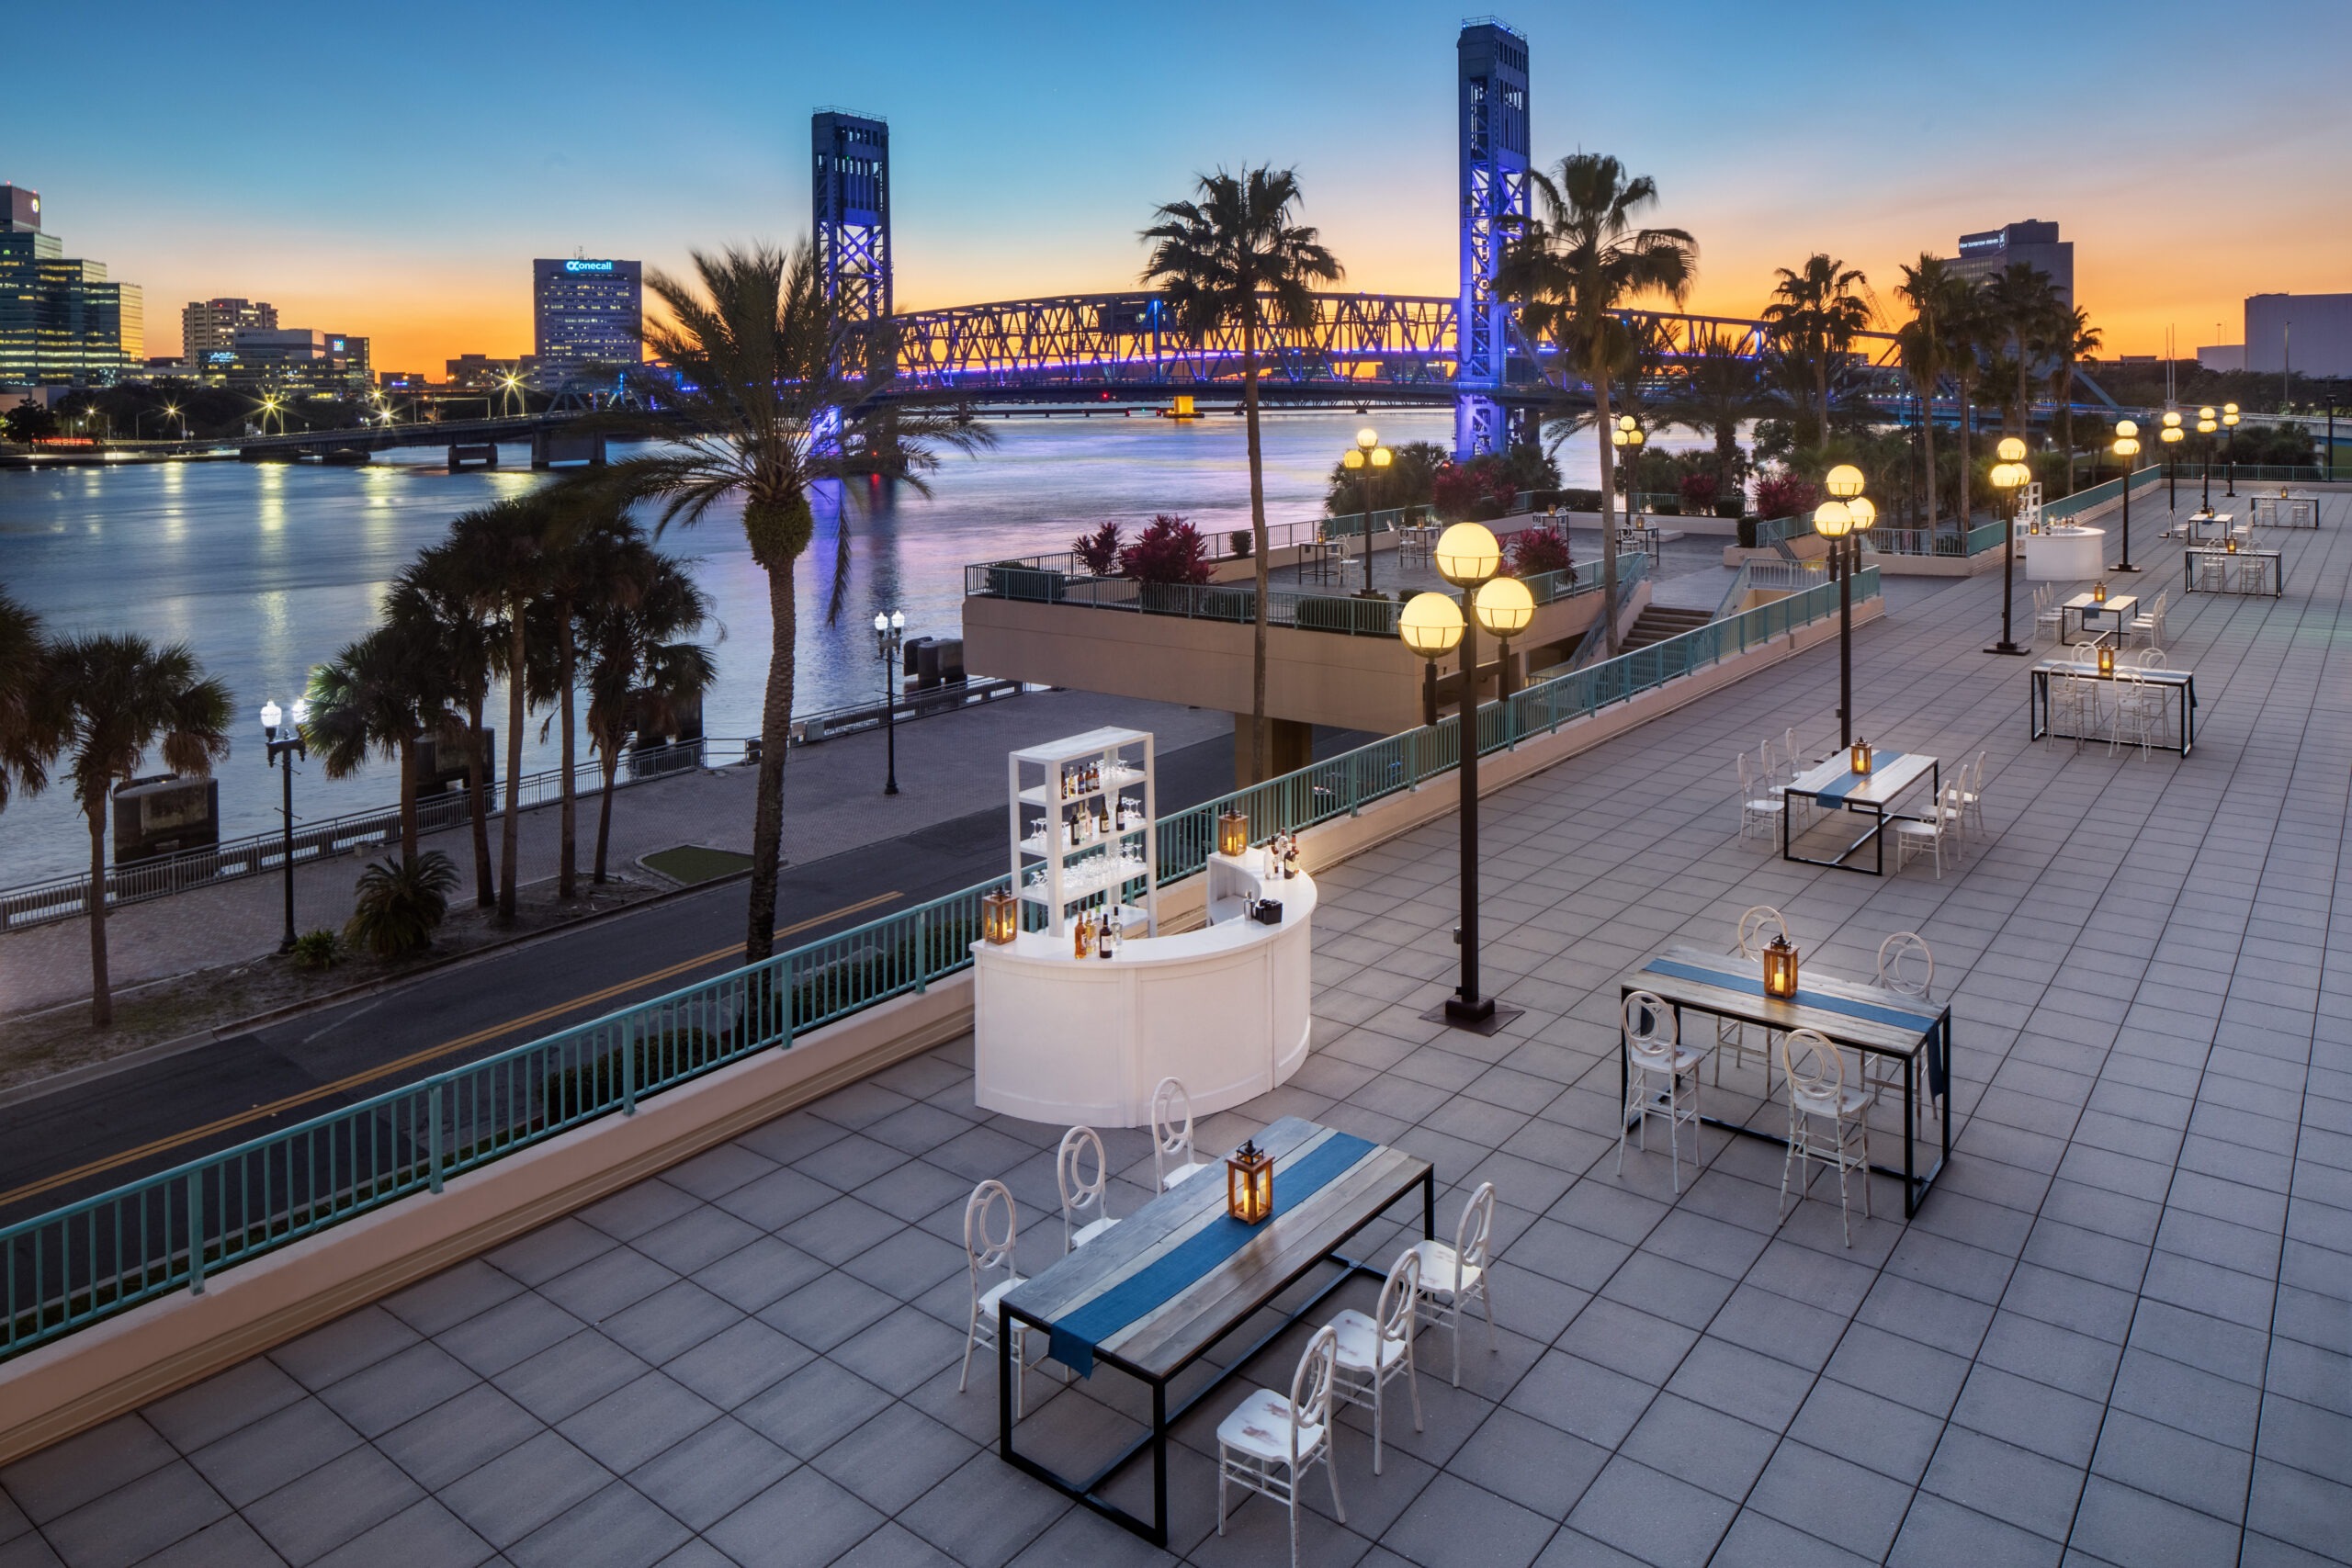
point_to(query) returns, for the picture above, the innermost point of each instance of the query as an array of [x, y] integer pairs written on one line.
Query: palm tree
[[1574, 271], [2023, 307], [1927, 288], [762, 364], [1817, 311], [2075, 341], [438, 597], [644, 678], [1233, 259], [502, 550], [23, 665], [583, 553], [1720, 389], [1965, 328], [112, 698], [376, 697]]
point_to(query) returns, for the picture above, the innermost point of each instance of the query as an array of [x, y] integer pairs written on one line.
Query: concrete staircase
[[1657, 622]]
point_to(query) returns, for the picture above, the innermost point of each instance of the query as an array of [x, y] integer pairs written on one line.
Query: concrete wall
[[91, 1377], [1355, 682]]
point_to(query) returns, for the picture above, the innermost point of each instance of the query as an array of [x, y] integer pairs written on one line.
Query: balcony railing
[[102, 1256]]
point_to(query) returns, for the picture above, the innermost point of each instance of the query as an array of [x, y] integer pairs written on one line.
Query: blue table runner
[[1073, 1336], [1852, 1007], [1854, 781]]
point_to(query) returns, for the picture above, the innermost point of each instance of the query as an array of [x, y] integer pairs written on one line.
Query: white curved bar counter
[[1225, 1009]]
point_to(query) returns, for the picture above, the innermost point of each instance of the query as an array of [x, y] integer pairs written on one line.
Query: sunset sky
[[392, 171]]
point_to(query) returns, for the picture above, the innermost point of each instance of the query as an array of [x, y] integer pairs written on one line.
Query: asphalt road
[[152, 1115]]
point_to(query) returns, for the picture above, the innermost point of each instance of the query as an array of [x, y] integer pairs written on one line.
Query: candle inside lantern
[[1232, 835], [2105, 660], [1249, 1183], [1861, 762], [1779, 968], [1000, 917]]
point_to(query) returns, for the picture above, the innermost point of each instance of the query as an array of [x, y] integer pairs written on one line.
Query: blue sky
[[393, 171]]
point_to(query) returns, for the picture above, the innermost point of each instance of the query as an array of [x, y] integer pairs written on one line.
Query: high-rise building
[[586, 312], [62, 319], [1990, 252], [298, 357], [2308, 333], [209, 328]]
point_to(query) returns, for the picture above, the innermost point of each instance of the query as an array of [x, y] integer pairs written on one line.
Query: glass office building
[[586, 312], [61, 319]]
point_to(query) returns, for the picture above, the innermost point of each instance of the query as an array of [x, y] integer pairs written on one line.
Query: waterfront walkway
[[2119, 1331], [948, 767]]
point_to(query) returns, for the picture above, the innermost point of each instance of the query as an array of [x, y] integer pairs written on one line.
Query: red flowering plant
[[1168, 550], [1537, 550], [1100, 550], [1785, 495]]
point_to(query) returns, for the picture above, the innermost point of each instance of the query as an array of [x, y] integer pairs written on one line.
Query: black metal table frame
[[1938, 1040], [2083, 614], [2278, 560], [1155, 1439], [1879, 814], [2039, 719]]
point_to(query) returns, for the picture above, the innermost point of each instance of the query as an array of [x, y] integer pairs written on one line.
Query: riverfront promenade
[[2118, 1330], [948, 767]]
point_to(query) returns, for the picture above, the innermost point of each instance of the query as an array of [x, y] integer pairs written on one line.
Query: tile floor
[[2119, 1331]]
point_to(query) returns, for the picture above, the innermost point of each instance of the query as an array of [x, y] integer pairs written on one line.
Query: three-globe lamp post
[[283, 732], [1842, 520], [889, 637], [2172, 436], [1432, 625], [2230, 422], [1365, 462], [2207, 423], [1628, 438], [2127, 446], [2007, 475]]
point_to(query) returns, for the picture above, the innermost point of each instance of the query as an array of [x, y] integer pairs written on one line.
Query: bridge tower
[[1492, 57], [850, 223]]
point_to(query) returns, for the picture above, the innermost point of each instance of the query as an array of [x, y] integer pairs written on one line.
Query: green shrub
[[321, 948], [400, 904]]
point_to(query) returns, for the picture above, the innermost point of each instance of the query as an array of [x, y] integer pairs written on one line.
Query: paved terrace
[[2117, 1331]]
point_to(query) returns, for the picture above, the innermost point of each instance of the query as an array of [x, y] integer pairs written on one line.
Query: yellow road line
[[416, 1058]]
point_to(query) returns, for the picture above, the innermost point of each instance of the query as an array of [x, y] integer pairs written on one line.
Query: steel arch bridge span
[[1378, 346]]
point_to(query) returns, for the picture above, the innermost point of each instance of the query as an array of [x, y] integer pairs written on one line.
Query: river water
[[265, 569]]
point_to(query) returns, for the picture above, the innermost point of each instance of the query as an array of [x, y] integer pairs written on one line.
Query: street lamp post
[[2127, 446], [2206, 425], [284, 741], [1432, 625], [2007, 475], [1833, 520], [2172, 436], [1628, 438], [889, 637], [2230, 419], [1365, 460]]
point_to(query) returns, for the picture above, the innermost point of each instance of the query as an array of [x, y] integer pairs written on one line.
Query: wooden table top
[[1849, 1011], [1891, 773], [1159, 1341]]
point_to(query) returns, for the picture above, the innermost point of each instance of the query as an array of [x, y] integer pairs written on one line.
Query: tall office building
[[298, 357], [1982, 256], [62, 319], [208, 329], [586, 312]]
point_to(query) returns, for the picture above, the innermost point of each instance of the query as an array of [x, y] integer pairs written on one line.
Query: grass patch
[[691, 864]]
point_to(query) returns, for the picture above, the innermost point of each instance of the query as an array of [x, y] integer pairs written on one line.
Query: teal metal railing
[[101, 1256], [1783, 529]]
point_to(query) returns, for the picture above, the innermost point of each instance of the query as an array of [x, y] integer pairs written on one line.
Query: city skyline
[[1029, 147]]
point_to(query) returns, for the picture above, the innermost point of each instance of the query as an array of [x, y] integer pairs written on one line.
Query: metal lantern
[[1250, 1184], [2230, 544], [1000, 917], [1861, 758], [2105, 660], [1232, 835], [1780, 969], [2099, 593]]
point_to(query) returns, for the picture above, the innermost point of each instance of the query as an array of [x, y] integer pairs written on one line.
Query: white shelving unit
[[1051, 790]]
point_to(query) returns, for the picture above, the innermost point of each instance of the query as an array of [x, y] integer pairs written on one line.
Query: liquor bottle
[[1077, 938]]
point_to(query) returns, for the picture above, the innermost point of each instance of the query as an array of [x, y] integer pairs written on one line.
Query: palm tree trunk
[[567, 881], [1257, 726], [775, 724], [478, 803], [1602, 425], [1927, 449], [1967, 442], [605, 809], [408, 797], [2066, 422], [510, 829], [101, 993]]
